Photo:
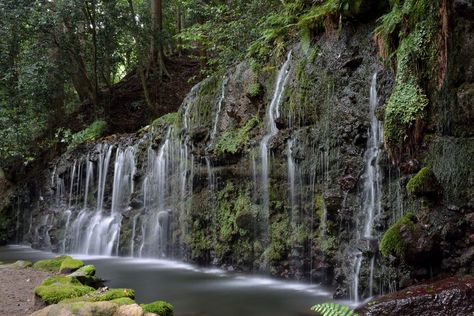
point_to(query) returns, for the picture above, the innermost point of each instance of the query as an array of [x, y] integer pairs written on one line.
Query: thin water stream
[[196, 291]]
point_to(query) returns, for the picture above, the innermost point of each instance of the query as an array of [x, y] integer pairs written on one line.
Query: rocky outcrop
[[451, 296]]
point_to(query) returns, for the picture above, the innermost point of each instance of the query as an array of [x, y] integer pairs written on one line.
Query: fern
[[332, 309]]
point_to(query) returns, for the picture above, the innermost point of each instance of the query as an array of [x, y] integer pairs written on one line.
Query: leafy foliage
[[92, 132], [409, 32], [406, 105], [332, 309], [231, 141]]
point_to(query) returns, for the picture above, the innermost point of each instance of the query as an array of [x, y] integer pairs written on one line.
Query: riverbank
[[16, 290]]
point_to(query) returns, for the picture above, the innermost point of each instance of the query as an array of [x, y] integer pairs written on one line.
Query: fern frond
[[332, 309]]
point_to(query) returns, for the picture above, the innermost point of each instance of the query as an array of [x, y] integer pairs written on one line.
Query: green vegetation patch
[[231, 141], [50, 264], [159, 307], [419, 180], [392, 242], [100, 296], [88, 270], [406, 104], [123, 301], [60, 290], [90, 133], [167, 119], [69, 265]]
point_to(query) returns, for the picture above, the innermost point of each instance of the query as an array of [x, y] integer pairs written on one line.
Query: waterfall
[[291, 180], [219, 110], [371, 190], [272, 114]]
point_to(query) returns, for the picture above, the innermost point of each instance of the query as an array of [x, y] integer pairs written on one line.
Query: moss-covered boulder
[[70, 265], [58, 288], [423, 183], [79, 308], [392, 241], [104, 294], [20, 264], [86, 275], [159, 307], [52, 265]]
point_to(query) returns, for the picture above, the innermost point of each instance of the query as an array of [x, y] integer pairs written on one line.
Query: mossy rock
[[60, 279], [86, 275], [50, 264], [57, 290], [88, 270], [100, 295], [80, 308], [20, 264], [70, 265], [159, 307], [392, 241], [423, 183], [123, 301]]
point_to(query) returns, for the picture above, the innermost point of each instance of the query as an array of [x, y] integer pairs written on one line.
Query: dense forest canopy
[[57, 54]]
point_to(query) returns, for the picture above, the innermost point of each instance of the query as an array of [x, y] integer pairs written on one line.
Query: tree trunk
[[156, 54]]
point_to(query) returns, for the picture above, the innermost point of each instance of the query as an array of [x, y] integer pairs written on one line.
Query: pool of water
[[196, 291]]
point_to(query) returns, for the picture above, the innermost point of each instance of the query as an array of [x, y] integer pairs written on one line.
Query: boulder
[[81, 308], [450, 296]]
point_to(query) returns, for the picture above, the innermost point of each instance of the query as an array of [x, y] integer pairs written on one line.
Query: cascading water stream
[[371, 194], [219, 110], [272, 114]]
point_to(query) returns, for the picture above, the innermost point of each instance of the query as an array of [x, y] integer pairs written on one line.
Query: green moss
[[255, 89], [231, 141], [279, 239], [88, 270], [57, 292], [159, 307], [69, 265], [20, 264], [60, 279], [109, 295], [167, 119], [406, 105], [123, 301], [419, 180], [92, 132], [392, 242], [50, 264]]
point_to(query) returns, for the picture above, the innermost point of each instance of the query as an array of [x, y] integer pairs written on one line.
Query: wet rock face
[[451, 296]]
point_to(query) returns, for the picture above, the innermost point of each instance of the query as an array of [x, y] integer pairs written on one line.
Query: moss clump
[[60, 279], [159, 307], [419, 180], [20, 264], [123, 301], [109, 295], [392, 241], [279, 239], [92, 132], [50, 264], [404, 107], [231, 141], [69, 265], [254, 89], [167, 119], [88, 270], [61, 290]]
